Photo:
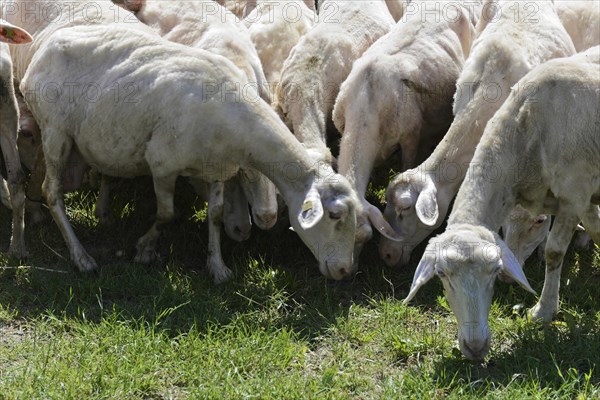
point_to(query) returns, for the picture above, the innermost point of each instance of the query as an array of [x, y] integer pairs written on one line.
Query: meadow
[[277, 330]]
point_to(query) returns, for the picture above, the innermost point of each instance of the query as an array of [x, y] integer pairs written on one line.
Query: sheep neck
[[274, 151], [448, 164], [488, 192]]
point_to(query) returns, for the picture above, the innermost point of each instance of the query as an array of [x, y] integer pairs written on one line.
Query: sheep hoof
[[221, 273], [541, 314], [107, 220], [145, 255], [84, 262], [18, 251]]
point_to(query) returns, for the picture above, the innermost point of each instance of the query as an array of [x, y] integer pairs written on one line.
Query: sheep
[[523, 232], [320, 62], [275, 28], [12, 193], [581, 19], [543, 146], [204, 25], [236, 219], [178, 89], [399, 95], [506, 49], [207, 25]]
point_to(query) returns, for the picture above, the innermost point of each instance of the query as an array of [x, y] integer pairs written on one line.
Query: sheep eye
[[335, 215], [440, 273], [540, 220]]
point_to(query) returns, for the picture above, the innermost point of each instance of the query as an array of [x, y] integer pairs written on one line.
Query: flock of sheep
[[240, 98]]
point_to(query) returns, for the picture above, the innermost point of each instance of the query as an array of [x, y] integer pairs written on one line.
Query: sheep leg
[[215, 263], [34, 188], [591, 223], [4, 194], [16, 188], [164, 188], [56, 153], [102, 209], [556, 247]]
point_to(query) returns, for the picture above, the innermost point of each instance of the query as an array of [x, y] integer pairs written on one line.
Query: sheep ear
[[512, 268], [425, 271], [380, 224], [13, 34], [427, 207], [312, 210]]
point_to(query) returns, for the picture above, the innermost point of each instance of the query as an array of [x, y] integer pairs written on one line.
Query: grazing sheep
[[543, 148], [178, 90], [581, 19], [523, 232], [12, 193], [206, 25], [320, 62], [275, 28], [507, 48], [399, 96]]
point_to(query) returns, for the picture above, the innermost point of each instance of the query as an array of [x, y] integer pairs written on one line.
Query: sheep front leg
[[16, 189], [216, 265], [4, 194], [556, 247], [164, 188], [56, 150]]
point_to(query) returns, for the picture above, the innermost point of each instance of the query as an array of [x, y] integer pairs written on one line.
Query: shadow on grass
[[276, 285]]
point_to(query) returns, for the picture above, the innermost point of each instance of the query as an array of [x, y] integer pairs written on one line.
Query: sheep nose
[[476, 349], [390, 256], [242, 233]]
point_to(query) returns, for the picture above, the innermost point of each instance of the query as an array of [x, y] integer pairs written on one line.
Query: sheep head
[[468, 259], [412, 211], [325, 220], [523, 232]]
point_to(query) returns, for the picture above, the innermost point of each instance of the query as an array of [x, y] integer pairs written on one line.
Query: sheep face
[[468, 260], [262, 196], [523, 232], [412, 212], [326, 223]]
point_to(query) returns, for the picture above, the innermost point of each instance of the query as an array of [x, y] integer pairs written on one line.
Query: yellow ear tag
[[307, 206]]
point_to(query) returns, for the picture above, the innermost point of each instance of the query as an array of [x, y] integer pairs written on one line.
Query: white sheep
[[207, 25], [581, 19], [321, 61], [507, 48], [275, 28], [399, 96], [12, 193], [178, 89], [523, 232], [540, 150]]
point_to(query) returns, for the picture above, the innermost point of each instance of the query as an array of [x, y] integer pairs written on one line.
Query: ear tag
[[308, 205]]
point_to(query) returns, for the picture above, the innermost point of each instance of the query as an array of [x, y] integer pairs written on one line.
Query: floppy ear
[[425, 271], [13, 34], [427, 207], [511, 267], [380, 224], [312, 210]]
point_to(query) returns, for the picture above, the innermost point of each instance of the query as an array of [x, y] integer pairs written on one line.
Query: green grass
[[278, 330]]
